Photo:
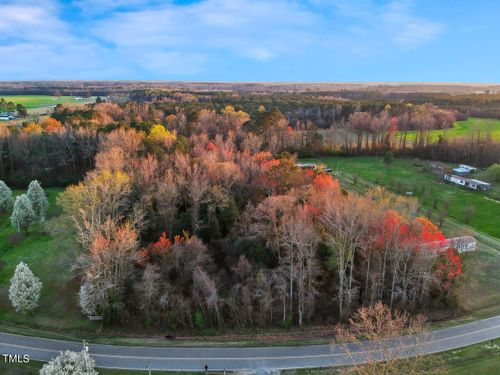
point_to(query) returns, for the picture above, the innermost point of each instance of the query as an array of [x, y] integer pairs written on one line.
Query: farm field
[[469, 127], [404, 176], [36, 101]]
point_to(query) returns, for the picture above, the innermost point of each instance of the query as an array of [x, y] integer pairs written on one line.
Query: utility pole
[[86, 348]]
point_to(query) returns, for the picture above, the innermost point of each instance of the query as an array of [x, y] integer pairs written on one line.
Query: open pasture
[[473, 126]]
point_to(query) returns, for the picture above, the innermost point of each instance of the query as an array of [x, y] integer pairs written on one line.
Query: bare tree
[[381, 341]]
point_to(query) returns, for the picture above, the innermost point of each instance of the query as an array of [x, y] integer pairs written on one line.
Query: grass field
[[48, 249], [36, 101], [471, 126], [404, 176]]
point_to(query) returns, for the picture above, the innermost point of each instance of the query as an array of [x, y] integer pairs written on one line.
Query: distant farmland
[[467, 128], [37, 101]]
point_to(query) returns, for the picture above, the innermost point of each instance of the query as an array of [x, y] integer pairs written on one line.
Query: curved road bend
[[194, 359]]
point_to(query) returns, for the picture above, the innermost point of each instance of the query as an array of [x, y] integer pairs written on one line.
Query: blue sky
[[251, 40]]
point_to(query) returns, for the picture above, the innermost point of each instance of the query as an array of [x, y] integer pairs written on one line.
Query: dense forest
[[188, 215]]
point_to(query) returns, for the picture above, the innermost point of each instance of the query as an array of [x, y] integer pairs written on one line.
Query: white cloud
[[128, 38], [407, 30], [370, 27], [255, 29]]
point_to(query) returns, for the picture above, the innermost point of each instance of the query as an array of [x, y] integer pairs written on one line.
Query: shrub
[[494, 172], [468, 214], [388, 158], [199, 320]]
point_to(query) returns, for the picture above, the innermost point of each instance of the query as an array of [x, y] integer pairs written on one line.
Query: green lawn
[[404, 176], [49, 250], [471, 126], [36, 101]]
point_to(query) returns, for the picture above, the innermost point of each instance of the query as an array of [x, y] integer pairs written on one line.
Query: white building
[[469, 183], [462, 244]]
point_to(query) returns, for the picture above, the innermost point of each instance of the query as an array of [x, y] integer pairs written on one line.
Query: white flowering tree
[[22, 214], [70, 363], [25, 288], [6, 199], [87, 298], [38, 199]]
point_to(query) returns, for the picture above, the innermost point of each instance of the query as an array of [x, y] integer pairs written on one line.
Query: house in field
[[7, 116], [469, 183], [463, 170], [312, 166]]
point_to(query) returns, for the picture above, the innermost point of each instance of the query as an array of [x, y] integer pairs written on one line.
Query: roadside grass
[[483, 359], [471, 126], [33, 367], [48, 249], [402, 176]]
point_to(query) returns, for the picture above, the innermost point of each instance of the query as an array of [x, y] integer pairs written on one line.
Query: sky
[[251, 40]]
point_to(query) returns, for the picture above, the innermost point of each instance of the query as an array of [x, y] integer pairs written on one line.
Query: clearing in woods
[[473, 126]]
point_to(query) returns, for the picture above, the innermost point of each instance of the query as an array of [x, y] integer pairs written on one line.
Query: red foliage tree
[[155, 249], [211, 147], [449, 268], [426, 231], [324, 181]]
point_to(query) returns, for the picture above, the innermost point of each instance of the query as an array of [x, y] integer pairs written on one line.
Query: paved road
[[194, 359]]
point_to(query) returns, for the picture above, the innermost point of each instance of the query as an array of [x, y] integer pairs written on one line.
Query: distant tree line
[[60, 149]]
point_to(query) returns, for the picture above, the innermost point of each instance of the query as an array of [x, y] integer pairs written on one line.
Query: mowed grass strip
[[404, 176], [473, 126], [49, 250]]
